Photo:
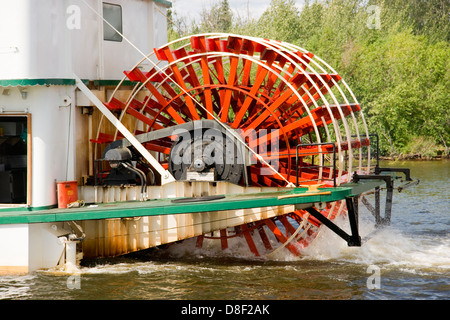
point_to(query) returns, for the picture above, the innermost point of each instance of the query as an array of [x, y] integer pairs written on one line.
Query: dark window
[[113, 14], [14, 147]]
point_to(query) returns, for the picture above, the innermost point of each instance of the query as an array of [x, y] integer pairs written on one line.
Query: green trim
[[25, 208], [166, 206], [164, 2], [60, 82], [113, 83], [36, 82]]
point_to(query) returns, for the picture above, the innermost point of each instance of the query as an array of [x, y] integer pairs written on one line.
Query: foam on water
[[183, 268], [13, 286], [388, 247]]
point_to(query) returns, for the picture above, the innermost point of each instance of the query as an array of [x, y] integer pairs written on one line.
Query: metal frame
[[312, 162], [389, 180], [386, 220], [353, 239], [166, 177]]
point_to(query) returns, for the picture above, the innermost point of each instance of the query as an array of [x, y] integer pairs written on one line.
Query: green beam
[[36, 82], [166, 206], [60, 82]]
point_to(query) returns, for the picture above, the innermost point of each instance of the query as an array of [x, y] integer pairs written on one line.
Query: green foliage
[[280, 21], [402, 82], [216, 19], [420, 147], [399, 72]]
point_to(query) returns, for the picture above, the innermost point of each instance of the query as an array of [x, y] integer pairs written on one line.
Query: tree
[[427, 17], [217, 18], [280, 21], [176, 26], [224, 17]]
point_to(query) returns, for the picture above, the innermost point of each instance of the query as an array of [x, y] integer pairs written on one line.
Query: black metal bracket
[[353, 240], [379, 220], [406, 171]]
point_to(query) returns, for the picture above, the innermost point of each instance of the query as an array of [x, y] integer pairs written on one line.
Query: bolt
[[199, 165]]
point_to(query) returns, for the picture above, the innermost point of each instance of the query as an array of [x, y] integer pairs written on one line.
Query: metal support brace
[[352, 212], [166, 177], [353, 240], [406, 171], [379, 220], [409, 182]]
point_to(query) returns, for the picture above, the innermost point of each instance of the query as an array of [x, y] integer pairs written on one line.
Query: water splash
[[388, 247], [16, 287]]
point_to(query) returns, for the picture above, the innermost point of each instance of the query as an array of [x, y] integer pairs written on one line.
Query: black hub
[[204, 151]]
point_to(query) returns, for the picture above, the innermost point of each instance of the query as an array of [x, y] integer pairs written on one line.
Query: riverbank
[[412, 157]]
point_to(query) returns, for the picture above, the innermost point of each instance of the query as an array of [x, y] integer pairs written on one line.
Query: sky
[[191, 8]]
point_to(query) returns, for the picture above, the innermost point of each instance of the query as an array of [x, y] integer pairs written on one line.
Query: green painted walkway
[[167, 206]]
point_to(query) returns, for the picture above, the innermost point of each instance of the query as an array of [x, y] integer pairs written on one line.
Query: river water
[[408, 260]]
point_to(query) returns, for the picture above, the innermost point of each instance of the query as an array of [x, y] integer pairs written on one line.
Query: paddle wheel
[[252, 112]]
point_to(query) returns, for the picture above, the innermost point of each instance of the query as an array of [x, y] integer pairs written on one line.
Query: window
[[113, 14], [15, 159]]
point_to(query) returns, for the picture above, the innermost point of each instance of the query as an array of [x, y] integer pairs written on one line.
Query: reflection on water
[[412, 255]]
